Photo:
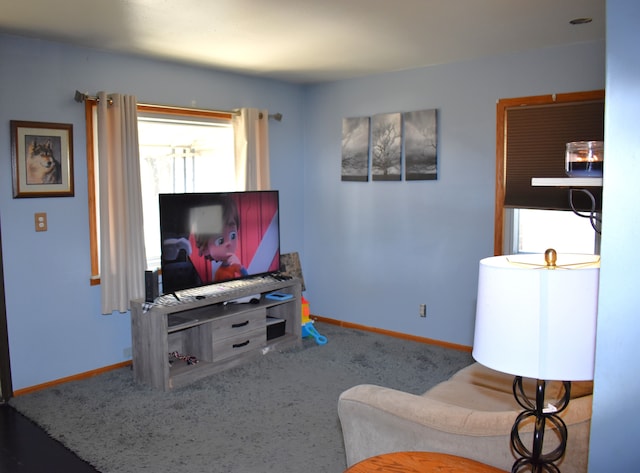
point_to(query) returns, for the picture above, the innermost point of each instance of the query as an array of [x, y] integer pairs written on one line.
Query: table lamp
[[536, 318]]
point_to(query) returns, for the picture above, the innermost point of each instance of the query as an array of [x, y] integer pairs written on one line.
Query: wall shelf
[[566, 181]]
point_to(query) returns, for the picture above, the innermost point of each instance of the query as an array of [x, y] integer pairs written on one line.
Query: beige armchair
[[470, 415]]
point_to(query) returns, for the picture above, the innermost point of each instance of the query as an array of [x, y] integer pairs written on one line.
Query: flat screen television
[[208, 238]]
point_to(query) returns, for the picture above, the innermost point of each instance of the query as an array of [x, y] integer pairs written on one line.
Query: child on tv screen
[[215, 230]]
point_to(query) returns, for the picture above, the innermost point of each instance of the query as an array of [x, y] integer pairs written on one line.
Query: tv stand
[[176, 342]]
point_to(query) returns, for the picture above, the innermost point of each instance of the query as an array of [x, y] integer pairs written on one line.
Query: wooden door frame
[[501, 147]]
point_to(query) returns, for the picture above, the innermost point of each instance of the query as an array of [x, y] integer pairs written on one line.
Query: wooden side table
[[420, 462]]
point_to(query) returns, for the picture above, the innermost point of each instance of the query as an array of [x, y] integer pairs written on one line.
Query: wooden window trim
[[89, 106], [501, 114]]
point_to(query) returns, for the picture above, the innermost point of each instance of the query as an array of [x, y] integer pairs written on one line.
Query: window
[[181, 150], [536, 230], [180, 156], [531, 136]]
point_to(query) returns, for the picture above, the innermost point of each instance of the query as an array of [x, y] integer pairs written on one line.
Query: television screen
[[214, 237]]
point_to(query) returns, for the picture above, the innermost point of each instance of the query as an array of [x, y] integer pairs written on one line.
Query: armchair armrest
[[378, 420]]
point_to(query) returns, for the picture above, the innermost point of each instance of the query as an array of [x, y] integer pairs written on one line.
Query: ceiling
[[307, 41]]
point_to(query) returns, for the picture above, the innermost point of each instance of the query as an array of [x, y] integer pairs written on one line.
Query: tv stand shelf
[[176, 342]]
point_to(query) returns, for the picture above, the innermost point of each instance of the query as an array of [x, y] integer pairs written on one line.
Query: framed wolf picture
[[42, 159]]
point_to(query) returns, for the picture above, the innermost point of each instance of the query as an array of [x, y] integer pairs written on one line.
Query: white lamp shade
[[538, 322]]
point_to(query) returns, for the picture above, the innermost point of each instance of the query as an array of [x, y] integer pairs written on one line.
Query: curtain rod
[[81, 97]]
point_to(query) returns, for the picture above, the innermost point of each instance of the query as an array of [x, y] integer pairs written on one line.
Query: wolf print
[[42, 167]]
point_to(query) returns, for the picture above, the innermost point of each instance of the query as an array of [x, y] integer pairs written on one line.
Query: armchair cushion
[[470, 415]]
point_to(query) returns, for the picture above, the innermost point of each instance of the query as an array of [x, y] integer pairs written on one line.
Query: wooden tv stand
[[176, 342]]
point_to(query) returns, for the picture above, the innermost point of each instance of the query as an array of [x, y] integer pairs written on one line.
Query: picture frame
[[42, 159]]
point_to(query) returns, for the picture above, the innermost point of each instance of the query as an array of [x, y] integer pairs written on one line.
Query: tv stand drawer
[[237, 324], [239, 344]]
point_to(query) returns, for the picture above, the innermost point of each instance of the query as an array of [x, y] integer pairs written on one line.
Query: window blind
[[536, 138]]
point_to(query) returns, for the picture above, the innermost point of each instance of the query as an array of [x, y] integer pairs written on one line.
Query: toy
[[308, 330], [306, 313]]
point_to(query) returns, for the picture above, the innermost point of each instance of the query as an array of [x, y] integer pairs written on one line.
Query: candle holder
[[584, 158]]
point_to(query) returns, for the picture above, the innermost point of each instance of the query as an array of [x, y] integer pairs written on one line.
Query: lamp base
[[535, 460]]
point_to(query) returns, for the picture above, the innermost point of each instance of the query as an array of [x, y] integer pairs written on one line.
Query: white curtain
[[122, 254], [251, 132]]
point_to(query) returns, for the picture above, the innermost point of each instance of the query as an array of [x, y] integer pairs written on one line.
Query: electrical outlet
[[40, 221], [423, 310]]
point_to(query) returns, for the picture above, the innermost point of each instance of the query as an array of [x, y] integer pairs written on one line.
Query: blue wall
[[374, 251], [53, 314], [371, 252], [614, 427]]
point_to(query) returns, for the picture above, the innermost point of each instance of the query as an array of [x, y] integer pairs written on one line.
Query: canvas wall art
[[386, 147], [355, 149], [390, 146], [420, 145]]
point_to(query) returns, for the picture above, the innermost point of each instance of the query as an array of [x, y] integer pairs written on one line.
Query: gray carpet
[[276, 414]]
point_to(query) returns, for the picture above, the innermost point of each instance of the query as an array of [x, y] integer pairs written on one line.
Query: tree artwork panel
[[386, 147], [355, 149], [421, 145]]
